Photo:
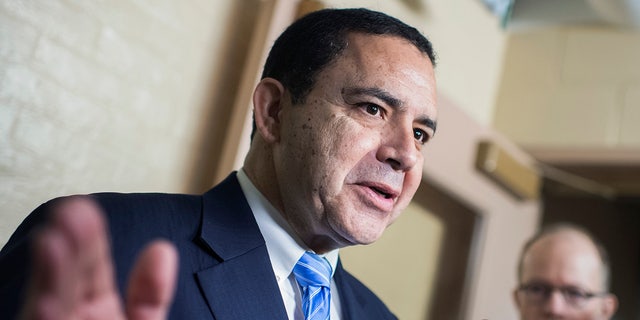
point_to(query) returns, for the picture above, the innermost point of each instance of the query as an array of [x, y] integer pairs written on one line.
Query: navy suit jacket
[[224, 270]]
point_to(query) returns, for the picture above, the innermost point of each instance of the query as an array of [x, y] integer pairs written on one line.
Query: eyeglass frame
[[580, 299]]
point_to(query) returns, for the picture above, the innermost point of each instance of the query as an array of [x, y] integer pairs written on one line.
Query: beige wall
[[576, 87], [104, 96]]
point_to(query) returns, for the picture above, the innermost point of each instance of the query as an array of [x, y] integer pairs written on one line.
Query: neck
[[259, 168], [258, 165]]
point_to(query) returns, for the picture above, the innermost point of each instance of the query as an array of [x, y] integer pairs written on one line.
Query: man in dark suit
[[346, 104]]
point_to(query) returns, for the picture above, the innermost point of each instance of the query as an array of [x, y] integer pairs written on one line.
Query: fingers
[[152, 282], [72, 276], [47, 277], [83, 225]]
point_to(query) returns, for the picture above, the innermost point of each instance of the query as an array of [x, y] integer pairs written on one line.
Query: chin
[[358, 226], [364, 237]]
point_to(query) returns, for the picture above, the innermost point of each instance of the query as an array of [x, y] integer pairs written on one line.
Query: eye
[[420, 135], [537, 290], [372, 109], [575, 293]]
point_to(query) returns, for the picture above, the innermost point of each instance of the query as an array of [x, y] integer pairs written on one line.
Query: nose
[[398, 148], [555, 305]]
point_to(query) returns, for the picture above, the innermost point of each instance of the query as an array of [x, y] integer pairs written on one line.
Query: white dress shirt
[[285, 248]]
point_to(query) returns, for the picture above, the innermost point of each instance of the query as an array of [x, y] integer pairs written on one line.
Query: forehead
[[388, 63], [563, 259]]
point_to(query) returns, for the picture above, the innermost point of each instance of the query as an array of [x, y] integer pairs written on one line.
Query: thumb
[[152, 282]]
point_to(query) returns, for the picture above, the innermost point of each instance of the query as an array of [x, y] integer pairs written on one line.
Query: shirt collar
[[283, 245]]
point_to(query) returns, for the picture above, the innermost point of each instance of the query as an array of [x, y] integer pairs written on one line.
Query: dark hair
[[315, 40], [564, 227]]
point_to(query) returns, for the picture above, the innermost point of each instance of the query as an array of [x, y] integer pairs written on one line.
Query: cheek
[[307, 141], [319, 148], [351, 141]]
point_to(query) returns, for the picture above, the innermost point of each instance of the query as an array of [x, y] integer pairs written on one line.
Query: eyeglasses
[[537, 293]]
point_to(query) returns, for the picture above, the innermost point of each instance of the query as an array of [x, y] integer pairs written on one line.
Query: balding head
[[563, 273], [567, 240]]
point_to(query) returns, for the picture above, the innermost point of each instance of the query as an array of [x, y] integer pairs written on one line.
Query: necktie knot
[[313, 270], [313, 274]]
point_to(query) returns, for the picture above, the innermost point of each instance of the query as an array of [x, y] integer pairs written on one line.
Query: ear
[[267, 103], [515, 299], [610, 305]]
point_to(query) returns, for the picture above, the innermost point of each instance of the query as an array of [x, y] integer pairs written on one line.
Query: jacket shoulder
[[353, 289]]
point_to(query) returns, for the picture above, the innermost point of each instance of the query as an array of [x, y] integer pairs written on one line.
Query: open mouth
[[381, 192], [377, 195]]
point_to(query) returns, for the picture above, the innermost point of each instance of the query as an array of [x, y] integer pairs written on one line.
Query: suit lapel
[[353, 305], [242, 285]]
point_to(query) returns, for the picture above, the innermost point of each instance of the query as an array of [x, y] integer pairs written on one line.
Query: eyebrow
[[389, 100], [429, 123]]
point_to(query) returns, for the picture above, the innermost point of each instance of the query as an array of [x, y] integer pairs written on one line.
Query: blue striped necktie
[[313, 274]]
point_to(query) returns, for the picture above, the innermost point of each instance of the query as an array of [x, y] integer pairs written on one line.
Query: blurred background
[[539, 111]]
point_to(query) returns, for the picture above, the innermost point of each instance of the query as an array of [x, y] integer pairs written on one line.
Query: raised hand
[[72, 275]]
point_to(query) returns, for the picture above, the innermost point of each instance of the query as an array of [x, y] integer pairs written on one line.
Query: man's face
[[566, 260], [350, 156]]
